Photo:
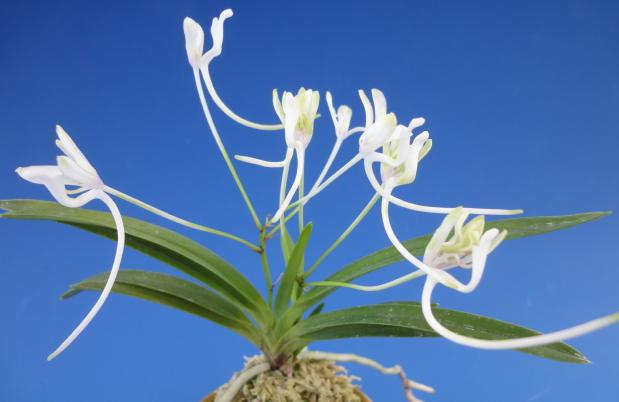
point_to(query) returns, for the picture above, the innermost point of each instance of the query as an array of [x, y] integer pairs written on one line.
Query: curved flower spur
[[73, 169]]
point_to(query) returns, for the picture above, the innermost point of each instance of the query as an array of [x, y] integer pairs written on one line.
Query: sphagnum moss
[[305, 380]]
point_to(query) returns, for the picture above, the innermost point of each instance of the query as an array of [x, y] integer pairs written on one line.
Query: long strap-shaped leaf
[[292, 271], [517, 228], [173, 292], [168, 246], [405, 319]]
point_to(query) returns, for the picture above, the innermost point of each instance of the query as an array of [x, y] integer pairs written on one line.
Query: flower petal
[[53, 179], [441, 234], [367, 106], [291, 117], [217, 34], [74, 174], [380, 103], [68, 146], [50, 176], [194, 41], [344, 115], [416, 123], [277, 105], [332, 112], [377, 134]]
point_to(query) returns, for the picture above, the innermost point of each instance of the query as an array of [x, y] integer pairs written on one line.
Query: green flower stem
[[282, 222], [344, 235], [222, 148], [315, 190], [178, 220], [327, 182], [264, 260]]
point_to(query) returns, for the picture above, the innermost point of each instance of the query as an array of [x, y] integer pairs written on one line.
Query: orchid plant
[[283, 321]]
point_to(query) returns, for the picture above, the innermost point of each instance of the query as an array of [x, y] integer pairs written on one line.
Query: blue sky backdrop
[[521, 99]]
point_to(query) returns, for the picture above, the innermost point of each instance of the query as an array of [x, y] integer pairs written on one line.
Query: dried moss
[[307, 381]]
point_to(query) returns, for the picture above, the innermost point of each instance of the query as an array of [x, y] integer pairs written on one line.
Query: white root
[[407, 384], [258, 365], [243, 377]]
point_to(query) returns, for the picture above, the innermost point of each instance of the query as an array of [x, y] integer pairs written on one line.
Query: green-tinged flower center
[[465, 237]]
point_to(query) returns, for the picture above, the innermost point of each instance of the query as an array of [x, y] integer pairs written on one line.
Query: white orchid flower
[[194, 39], [382, 131], [200, 61], [379, 125], [194, 42], [297, 113], [73, 169], [341, 118], [469, 247]]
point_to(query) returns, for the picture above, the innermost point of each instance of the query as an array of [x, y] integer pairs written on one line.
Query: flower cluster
[[399, 151]]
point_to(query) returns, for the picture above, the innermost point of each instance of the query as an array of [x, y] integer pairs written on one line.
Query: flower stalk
[[180, 221]]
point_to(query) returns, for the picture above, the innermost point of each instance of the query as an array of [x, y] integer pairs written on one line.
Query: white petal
[[416, 123], [411, 163], [217, 34], [75, 174], [50, 176], [307, 101], [40, 174], [315, 102], [277, 105], [291, 117], [53, 179], [332, 112], [344, 115], [402, 135], [479, 257], [380, 103], [194, 41], [367, 106], [441, 234], [68, 146], [427, 146], [377, 134]]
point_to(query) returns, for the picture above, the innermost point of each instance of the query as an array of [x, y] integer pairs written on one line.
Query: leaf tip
[[70, 293]]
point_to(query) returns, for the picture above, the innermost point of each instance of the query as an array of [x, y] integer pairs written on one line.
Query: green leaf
[[317, 310], [405, 319], [173, 292], [170, 247], [286, 244], [517, 228], [292, 271]]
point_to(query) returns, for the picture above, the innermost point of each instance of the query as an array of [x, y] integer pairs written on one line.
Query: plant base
[[306, 380]]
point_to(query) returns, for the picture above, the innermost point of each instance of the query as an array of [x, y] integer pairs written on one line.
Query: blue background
[[522, 101]]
